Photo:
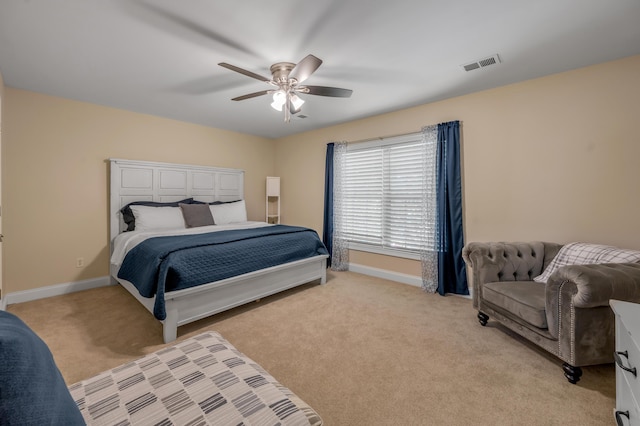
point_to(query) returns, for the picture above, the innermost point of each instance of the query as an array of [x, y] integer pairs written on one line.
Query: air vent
[[481, 63], [301, 116]]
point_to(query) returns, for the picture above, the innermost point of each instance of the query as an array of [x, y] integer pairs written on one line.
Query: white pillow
[[229, 212], [586, 254], [157, 217]]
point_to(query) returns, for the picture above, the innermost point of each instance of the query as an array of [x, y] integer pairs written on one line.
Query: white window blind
[[385, 184]]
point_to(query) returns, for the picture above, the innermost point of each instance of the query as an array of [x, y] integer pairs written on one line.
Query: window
[[388, 189]]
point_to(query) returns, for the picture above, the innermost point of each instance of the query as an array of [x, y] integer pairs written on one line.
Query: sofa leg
[[572, 373], [483, 318]]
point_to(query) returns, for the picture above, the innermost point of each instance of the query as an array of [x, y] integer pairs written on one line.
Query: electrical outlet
[[80, 262]]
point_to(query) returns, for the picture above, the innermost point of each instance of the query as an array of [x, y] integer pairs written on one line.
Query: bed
[[150, 186]]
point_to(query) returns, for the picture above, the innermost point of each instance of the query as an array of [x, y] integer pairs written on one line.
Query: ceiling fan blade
[[250, 95], [305, 68], [184, 26], [244, 72], [329, 91]]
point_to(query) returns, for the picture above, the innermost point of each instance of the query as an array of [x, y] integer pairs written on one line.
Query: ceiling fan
[[286, 79]]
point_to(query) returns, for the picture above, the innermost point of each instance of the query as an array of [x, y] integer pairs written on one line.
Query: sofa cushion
[[523, 299], [32, 390]]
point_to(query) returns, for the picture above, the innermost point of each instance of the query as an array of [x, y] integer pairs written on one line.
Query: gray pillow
[[196, 215]]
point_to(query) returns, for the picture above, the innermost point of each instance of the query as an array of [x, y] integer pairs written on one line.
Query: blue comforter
[[161, 264]]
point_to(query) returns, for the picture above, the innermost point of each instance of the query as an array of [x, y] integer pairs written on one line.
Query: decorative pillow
[[196, 215], [586, 254], [158, 217], [229, 212], [32, 390], [129, 218], [213, 202]]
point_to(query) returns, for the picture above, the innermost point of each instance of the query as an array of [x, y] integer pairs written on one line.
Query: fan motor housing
[[281, 70]]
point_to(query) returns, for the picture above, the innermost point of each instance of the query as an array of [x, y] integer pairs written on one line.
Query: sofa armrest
[[506, 261], [596, 284], [588, 286]]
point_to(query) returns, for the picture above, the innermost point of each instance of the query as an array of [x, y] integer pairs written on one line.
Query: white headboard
[[167, 182]]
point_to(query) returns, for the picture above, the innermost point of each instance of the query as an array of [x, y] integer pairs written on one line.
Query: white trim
[[54, 290], [386, 274], [380, 142], [72, 287], [464, 296], [413, 280], [405, 254]]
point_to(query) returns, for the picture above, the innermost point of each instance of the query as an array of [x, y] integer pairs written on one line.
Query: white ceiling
[[160, 56]]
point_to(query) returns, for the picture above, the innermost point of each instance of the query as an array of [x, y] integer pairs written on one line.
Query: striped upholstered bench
[[203, 380]]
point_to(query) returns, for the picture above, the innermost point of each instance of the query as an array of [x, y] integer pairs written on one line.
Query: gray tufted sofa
[[569, 316]]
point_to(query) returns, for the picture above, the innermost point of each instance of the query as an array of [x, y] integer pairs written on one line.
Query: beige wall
[[555, 158], [552, 159], [55, 191]]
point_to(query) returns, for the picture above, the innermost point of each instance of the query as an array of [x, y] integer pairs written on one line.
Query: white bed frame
[[167, 182]]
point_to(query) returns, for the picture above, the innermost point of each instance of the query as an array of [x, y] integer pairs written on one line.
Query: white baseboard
[[395, 276], [386, 274], [66, 288], [53, 290]]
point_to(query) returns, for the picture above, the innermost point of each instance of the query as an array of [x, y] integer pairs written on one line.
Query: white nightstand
[[627, 357]]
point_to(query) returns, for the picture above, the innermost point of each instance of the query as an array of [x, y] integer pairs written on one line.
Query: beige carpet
[[360, 350]]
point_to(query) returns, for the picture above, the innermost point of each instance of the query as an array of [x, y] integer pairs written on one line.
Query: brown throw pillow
[[196, 215]]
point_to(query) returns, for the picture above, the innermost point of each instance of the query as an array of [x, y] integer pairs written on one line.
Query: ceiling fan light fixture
[[296, 101], [287, 77], [279, 99]]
